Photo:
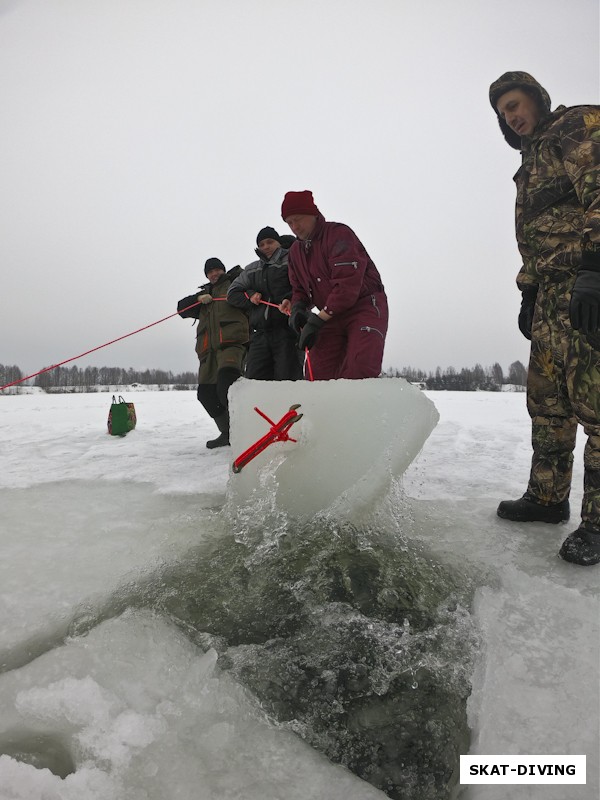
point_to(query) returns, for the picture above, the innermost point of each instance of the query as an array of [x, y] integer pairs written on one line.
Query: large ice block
[[353, 438]]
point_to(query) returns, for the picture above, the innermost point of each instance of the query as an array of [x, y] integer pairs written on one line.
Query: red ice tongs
[[278, 433]]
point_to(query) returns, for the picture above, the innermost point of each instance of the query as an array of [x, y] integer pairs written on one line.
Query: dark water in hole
[[359, 643], [349, 635]]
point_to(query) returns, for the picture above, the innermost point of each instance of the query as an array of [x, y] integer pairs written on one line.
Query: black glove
[[298, 317], [310, 331], [584, 310], [527, 308]]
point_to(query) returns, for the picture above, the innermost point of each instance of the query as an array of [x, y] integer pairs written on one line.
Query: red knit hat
[[298, 203]]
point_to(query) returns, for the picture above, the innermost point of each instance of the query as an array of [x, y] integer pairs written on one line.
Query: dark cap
[[213, 263], [267, 233]]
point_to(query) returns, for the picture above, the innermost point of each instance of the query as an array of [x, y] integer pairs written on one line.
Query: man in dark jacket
[[221, 339], [329, 268], [263, 284], [558, 233]]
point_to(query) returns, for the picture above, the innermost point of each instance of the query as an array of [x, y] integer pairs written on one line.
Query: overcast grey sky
[[141, 137]]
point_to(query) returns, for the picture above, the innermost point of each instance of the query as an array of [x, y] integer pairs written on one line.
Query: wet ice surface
[[133, 702], [142, 714], [537, 687]]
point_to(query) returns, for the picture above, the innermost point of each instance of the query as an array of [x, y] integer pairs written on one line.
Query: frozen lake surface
[[125, 705]]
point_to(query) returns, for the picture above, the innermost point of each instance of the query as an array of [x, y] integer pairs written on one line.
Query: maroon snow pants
[[350, 345]]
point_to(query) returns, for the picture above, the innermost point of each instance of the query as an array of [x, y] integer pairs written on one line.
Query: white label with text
[[522, 769]]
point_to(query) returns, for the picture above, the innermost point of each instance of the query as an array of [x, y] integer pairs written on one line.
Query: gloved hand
[[310, 331], [584, 310], [527, 307], [298, 317], [205, 299]]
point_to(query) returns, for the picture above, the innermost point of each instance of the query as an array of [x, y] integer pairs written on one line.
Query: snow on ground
[[83, 512]]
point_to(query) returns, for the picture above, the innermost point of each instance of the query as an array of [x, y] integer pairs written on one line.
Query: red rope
[[100, 346], [308, 366], [264, 302], [125, 336]]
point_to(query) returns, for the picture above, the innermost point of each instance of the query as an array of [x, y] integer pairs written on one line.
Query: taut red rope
[[125, 336], [93, 350]]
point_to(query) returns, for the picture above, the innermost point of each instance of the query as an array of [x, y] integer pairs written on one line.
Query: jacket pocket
[[375, 306], [232, 332], [371, 329], [202, 339]]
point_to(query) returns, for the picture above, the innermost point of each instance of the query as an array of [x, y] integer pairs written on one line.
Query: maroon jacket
[[332, 270]]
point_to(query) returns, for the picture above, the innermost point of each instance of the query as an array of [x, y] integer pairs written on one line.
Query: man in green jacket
[[221, 342], [558, 234]]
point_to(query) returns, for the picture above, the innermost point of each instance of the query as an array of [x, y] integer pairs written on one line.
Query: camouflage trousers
[[563, 390]]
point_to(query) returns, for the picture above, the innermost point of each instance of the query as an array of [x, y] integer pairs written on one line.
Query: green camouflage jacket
[[558, 188], [558, 194]]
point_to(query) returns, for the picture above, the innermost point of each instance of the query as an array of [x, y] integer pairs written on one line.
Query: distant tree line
[[9, 374], [477, 378], [60, 377]]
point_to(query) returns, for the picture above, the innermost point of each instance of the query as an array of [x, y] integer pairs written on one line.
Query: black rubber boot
[[223, 425], [581, 547], [526, 509]]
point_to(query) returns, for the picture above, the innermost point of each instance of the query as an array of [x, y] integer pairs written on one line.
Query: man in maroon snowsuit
[[328, 267]]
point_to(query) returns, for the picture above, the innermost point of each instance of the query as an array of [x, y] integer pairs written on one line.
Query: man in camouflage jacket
[[558, 234], [221, 342]]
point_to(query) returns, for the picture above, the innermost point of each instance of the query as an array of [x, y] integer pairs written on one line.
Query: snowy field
[[84, 514]]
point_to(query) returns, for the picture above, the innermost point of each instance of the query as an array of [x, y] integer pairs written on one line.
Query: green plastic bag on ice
[[121, 417]]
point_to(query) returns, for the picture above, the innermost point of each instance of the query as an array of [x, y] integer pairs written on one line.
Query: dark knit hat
[[517, 80], [213, 263], [267, 233], [298, 203], [287, 240]]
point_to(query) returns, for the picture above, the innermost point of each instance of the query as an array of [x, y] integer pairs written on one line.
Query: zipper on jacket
[[375, 306], [345, 264], [369, 329]]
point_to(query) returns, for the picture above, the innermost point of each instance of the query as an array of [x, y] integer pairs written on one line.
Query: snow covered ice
[[124, 704]]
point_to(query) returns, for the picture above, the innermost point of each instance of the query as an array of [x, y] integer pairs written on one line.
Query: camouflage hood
[[517, 80]]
